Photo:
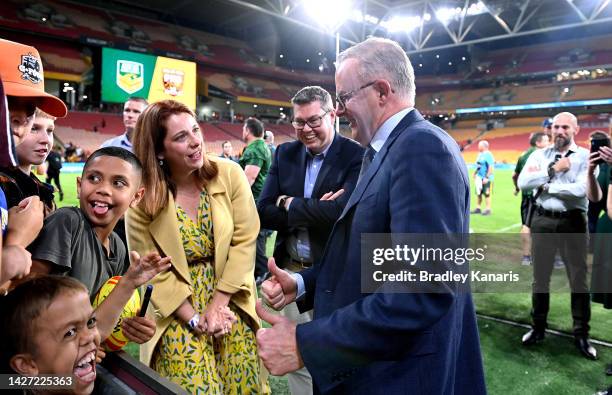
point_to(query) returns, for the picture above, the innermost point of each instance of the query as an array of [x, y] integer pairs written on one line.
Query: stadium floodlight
[[402, 24], [357, 16], [371, 19], [329, 14], [477, 8], [446, 14]]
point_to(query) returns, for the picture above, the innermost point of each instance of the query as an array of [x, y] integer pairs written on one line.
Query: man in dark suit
[[306, 190], [413, 180]]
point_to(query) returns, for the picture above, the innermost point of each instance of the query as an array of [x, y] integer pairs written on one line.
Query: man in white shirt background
[[557, 176]]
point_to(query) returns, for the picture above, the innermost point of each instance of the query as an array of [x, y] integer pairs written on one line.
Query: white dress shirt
[[566, 190]]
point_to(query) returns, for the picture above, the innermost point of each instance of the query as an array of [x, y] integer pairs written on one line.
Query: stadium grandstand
[[489, 70], [492, 82], [473, 91]]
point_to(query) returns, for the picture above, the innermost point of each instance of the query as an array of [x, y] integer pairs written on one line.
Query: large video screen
[[155, 78]]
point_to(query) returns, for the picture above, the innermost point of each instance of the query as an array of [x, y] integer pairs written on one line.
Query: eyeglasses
[[344, 97], [312, 122]]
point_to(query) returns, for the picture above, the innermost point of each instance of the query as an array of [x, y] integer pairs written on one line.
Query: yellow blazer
[[235, 228]]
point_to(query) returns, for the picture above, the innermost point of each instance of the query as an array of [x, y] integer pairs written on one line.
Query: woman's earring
[[161, 162]]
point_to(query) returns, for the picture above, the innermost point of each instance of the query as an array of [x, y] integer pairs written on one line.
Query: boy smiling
[[80, 242], [49, 327]]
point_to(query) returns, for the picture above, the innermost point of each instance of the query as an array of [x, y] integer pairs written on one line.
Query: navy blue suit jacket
[[401, 343], [340, 170]]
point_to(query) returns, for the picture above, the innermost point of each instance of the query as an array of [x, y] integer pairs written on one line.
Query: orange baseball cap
[[21, 71]]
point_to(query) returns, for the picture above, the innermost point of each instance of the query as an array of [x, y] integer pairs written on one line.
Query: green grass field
[[551, 368]]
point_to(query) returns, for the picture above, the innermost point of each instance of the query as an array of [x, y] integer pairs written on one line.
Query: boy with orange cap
[[22, 78]]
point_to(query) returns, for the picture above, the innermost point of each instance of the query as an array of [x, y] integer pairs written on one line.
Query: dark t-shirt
[[17, 186], [55, 162], [68, 241]]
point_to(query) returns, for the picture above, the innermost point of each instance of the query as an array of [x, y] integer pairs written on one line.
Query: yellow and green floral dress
[[203, 364]]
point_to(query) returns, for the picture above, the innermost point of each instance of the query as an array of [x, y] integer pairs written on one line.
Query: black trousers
[[261, 259], [52, 176], [568, 235]]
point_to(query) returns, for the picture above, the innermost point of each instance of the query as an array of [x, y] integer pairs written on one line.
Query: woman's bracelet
[[194, 321]]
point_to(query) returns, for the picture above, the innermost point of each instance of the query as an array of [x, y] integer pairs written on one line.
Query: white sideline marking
[[551, 331], [507, 228]]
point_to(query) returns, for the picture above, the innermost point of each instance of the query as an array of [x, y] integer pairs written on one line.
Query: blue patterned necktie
[[368, 156]]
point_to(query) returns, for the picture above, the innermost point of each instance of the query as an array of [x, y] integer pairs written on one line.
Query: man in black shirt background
[[53, 170]]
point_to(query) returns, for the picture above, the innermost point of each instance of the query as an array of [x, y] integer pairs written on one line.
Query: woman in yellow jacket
[[198, 210]]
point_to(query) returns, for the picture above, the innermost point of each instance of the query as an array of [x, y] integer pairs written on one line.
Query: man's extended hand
[[277, 346], [280, 289]]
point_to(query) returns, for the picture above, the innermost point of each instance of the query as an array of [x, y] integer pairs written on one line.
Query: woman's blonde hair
[[148, 143]]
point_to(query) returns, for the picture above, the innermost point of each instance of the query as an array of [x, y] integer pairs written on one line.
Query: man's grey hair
[[311, 94], [383, 58]]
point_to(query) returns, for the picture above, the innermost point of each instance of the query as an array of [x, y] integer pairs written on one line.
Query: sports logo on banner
[[155, 78], [130, 76]]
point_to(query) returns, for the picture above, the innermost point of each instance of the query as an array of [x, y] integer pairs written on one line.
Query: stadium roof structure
[[426, 25], [421, 25]]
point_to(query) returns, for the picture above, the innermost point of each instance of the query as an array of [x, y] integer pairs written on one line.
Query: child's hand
[[16, 264], [100, 354], [25, 222], [144, 269], [138, 329]]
